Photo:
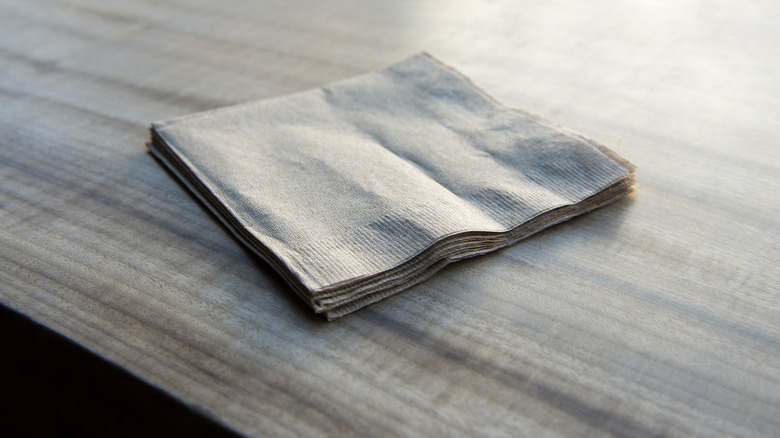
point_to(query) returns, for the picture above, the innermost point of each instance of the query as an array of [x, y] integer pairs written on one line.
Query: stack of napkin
[[358, 190]]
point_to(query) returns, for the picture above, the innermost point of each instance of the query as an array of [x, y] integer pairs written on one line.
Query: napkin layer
[[366, 187]]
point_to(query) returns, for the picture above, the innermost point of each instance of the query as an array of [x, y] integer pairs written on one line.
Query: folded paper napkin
[[366, 187]]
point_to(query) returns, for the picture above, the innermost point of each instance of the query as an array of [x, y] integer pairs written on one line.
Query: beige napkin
[[366, 187]]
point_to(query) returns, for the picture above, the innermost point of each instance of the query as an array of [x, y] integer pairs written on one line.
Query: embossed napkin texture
[[363, 188]]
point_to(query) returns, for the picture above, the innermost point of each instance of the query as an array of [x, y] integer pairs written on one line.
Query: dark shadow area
[[52, 387]]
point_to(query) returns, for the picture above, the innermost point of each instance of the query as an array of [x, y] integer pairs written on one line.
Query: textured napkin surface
[[375, 182]]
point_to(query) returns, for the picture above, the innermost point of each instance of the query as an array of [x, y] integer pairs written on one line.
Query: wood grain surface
[[658, 315]]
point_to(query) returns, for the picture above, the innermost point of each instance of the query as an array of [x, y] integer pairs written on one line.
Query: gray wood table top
[[657, 315]]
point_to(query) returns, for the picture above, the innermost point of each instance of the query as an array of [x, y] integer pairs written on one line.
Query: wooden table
[[657, 315]]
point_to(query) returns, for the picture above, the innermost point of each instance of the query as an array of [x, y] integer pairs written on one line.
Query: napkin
[[366, 187]]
